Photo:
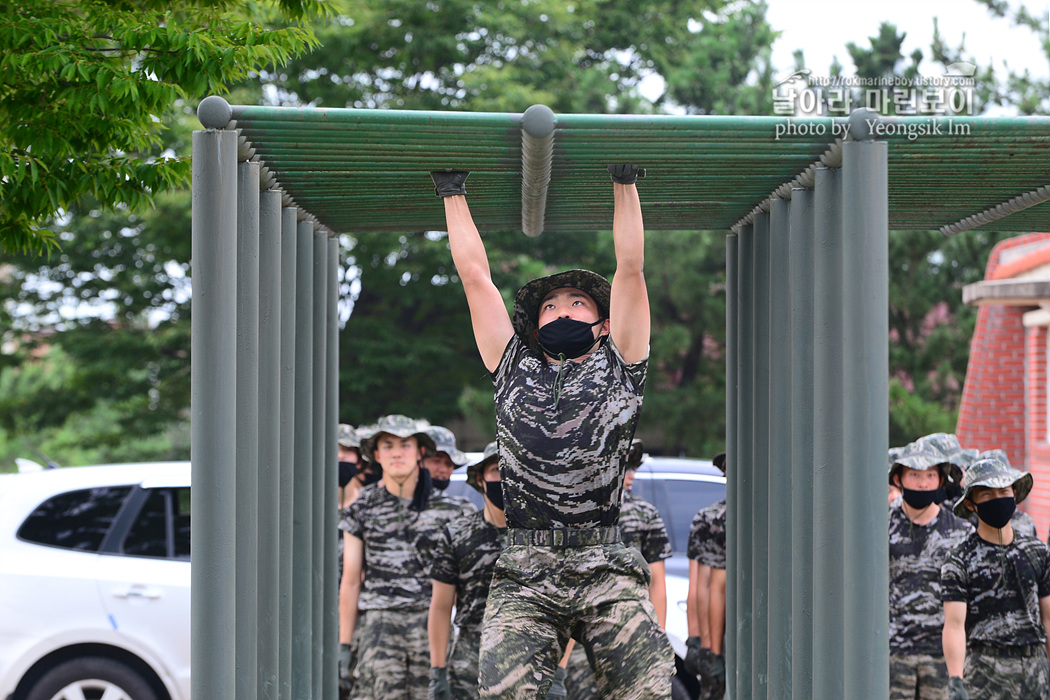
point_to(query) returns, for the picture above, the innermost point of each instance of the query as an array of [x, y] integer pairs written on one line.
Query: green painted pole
[[801, 426], [289, 286], [330, 664], [322, 498], [866, 392], [732, 479], [779, 637], [247, 494], [213, 408], [269, 441], [303, 495], [760, 463], [828, 446], [745, 377]]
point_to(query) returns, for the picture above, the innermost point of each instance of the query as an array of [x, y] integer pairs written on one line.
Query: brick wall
[[1002, 406]]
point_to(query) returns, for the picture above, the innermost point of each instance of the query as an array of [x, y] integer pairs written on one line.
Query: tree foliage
[[84, 86]]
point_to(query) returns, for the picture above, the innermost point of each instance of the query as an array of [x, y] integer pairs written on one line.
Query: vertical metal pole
[[289, 284], [828, 457], [269, 440], [732, 490], [303, 495], [779, 484], [247, 491], [866, 393], [743, 469], [801, 426], [330, 683], [323, 500], [213, 407], [760, 464]]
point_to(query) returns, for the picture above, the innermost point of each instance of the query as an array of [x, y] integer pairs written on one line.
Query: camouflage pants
[[992, 675], [463, 664], [580, 681], [540, 596], [394, 655], [917, 677]]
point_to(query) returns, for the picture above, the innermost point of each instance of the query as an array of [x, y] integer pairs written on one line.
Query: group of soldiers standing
[[969, 582]]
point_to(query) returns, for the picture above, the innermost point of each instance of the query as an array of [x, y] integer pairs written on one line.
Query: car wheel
[[91, 678], [679, 691]]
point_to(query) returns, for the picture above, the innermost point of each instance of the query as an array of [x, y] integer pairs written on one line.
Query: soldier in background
[[996, 590], [920, 534], [390, 535], [706, 602], [642, 529], [462, 573], [445, 460], [1020, 521]]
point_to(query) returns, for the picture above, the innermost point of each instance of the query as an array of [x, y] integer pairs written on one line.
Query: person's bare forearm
[[703, 598], [658, 592], [628, 229], [464, 239], [564, 663], [953, 637], [349, 592], [717, 609], [439, 629]]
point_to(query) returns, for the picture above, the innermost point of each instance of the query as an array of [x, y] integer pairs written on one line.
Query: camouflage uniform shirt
[[642, 527], [564, 466], [466, 555], [399, 546], [916, 555], [1002, 607], [707, 536]]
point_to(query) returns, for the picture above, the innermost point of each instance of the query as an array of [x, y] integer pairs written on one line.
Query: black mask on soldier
[[567, 337], [997, 511], [347, 471], [370, 477], [439, 484], [494, 490], [922, 499]]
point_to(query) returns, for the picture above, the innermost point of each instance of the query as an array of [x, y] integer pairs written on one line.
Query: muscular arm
[[717, 609], [629, 300], [488, 313], [953, 637], [658, 591], [350, 588], [439, 621]]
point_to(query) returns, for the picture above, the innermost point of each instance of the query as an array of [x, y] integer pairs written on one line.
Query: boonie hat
[[347, 436], [490, 454], [527, 300], [992, 469], [397, 425], [445, 441], [936, 450]]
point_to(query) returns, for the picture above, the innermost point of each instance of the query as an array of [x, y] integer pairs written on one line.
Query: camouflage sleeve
[[1043, 553], [509, 361], [636, 371], [444, 568], [351, 521], [953, 579], [697, 533], [655, 545]]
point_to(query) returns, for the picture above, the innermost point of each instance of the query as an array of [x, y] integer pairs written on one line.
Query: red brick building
[[1004, 402]]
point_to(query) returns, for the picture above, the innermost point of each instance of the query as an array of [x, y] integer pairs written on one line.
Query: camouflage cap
[[527, 300], [992, 469], [491, 453], [445, 441], [940, 450], [398, 425], [635, 455], [348, 436]]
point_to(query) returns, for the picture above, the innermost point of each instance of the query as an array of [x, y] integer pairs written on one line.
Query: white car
[[95, 583]]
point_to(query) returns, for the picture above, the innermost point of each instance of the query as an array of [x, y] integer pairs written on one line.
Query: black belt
[[564, 536], [1012, 651]]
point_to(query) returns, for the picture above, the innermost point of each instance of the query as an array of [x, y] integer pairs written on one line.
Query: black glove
[[713, 671], [439, 688], [346, 661], [956, 689], [693, 650], [449, 182], [626, 174], [558, 690]]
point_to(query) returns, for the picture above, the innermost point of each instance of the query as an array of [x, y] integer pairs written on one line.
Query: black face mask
[[439, 484], [370, 477], [567, 337], [922, 499], [494, 490], [347, 471], [997, 511]]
